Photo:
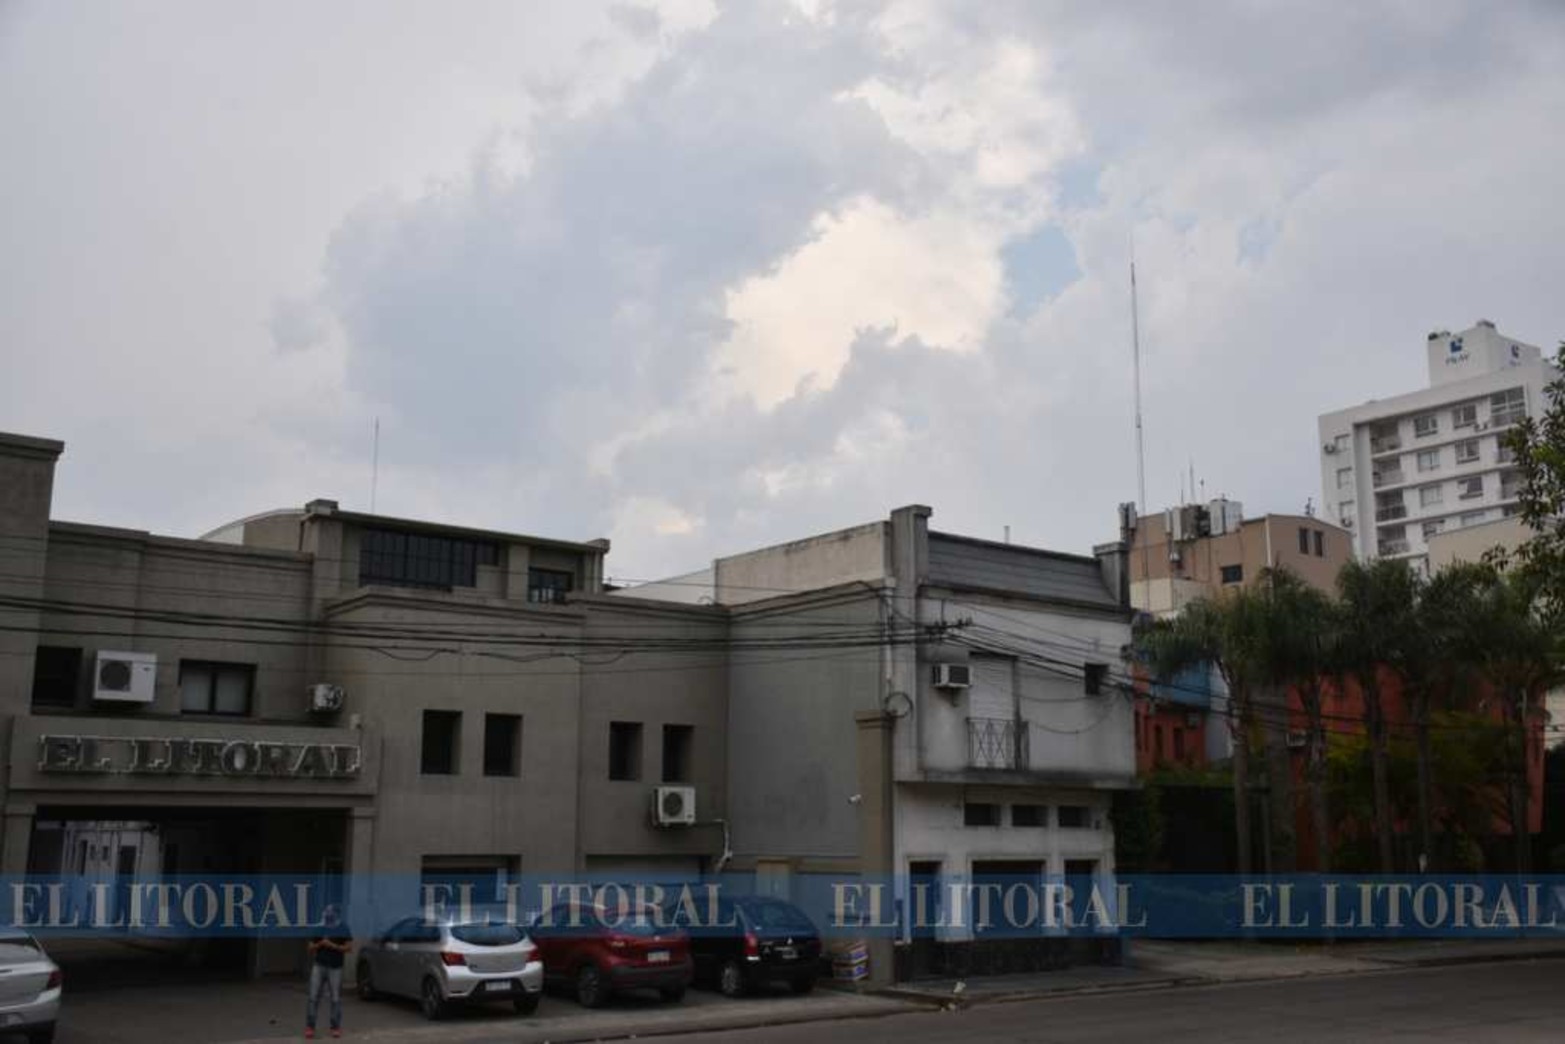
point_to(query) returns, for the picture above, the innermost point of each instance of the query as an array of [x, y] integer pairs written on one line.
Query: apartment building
[[1398, 471]]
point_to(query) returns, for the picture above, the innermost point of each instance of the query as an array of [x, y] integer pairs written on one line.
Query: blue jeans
[[331, 980]]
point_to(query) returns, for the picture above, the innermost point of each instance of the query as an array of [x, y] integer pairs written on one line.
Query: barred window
[[404, 559]]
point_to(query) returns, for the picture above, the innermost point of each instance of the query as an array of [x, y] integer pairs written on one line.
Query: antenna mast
[[1141, 453], [375, 466]]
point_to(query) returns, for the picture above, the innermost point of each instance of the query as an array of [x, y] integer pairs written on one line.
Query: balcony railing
[[1391, 514], [996, 743], [1394, 547], [1388, 478], [1385, 444]]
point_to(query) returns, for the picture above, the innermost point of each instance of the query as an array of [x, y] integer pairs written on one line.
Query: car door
[[391, 971]]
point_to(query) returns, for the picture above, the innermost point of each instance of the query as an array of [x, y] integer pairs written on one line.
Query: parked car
[[598, 952], [452, 963], [756, 941], [30, 987]]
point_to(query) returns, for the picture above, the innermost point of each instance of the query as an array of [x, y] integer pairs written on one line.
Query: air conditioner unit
[[326, 699], [125, 677], [953, 676], [674, 806], [1296, 739]]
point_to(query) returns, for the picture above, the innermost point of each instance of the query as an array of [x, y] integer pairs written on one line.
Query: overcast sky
[[702, 278]]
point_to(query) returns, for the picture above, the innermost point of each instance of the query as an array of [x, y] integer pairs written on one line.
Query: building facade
[[1399, 471]]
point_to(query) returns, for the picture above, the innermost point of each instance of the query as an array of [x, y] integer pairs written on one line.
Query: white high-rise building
[[1397, 471]]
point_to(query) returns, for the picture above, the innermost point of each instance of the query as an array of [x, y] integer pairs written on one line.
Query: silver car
[[30, 985], [452, 963]]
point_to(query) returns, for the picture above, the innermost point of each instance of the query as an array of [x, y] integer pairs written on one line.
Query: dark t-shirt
[[327, 957]]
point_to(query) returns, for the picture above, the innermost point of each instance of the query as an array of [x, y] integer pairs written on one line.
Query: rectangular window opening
[[215, 688], [56, 675], [1029, 815], [678, 741], [625, 750], [980, 814], [442, 740], [502, 744]]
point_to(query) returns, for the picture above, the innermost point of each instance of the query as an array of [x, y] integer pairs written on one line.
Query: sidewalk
[[1162, 964]]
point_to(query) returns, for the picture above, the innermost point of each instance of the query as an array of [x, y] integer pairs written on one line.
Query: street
[[1503, 1001]]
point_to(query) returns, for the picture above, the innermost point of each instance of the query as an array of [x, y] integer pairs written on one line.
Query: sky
[[701, 278]]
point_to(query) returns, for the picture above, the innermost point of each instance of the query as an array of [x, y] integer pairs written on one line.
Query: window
[[1029, 815], [1467, 451], [502, 744], [1465, 416], [1504, 454], [1433, 527], [625, 750], [1093, 675], [1428, 460], [1510, 510], [1510, 485], [1076, 816], [1304, 541], [1468, 488], [1233, 574], [1320, 544], [1507, 407], [215, 688], [486, 875], [1342, 442], [442, 743], [56, 675], [548, 585], [1344, 478], [678, 740], [1425, 425], [1473, 518], [1429, 496], [404, 559], [980, 814]]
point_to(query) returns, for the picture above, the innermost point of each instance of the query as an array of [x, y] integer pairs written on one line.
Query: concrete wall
[[1473, 542], [848, 555]]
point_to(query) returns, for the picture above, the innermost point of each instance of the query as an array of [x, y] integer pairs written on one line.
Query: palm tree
[[1377, 601]]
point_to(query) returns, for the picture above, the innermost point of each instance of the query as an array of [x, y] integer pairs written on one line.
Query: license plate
[[497, 987], [657, 956], [787, 953]]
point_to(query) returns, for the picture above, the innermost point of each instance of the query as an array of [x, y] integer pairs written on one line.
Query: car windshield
[[487, 934], [770, 913]]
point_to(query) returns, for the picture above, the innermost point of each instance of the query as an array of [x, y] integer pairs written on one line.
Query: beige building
[[1472, 543], [1196, 551]]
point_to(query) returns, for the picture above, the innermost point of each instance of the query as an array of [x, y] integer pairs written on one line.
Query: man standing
[[328, 949]]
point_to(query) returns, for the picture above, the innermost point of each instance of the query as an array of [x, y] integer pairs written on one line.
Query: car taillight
[[56, 978], [452, 960], [752, 945]]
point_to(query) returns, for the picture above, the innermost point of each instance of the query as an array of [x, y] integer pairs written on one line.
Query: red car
[[599, 952]]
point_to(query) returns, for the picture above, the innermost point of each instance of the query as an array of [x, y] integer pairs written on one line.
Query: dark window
[[442, 742], [980, 813], [1304, 541], [1233, 574], [1179, 743], [1080, 867], [1320, 544], [677, 741], [625, 750], [215, 688], [387, 556], [1029, 815], [1074, 815], [502, 744], [548, 585], [1093, 675], [56, 675]]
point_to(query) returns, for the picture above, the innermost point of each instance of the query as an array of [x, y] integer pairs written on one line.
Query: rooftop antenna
[[1141, 455], [1007, 534], [375, 466]]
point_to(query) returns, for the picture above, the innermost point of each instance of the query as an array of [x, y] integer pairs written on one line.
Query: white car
[[30, 985], [452, 963]]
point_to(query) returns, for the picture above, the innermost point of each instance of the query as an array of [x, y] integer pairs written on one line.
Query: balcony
[[1391, 514], [1388, 478], [996, 743], [1389, 548], [1385, 444]]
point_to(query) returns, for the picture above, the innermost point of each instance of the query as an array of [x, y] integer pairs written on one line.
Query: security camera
[[854, 799]]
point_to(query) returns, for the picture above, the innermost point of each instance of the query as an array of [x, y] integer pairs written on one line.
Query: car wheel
[[803, 984], [430, 1000], [674, 994], [730, 979], [45, 1035], [366, 983], [526, 1004], [591, 992]]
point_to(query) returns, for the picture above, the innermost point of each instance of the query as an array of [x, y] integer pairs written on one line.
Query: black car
[[756, 941]]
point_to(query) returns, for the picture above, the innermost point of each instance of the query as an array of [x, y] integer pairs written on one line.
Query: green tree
[[1538, 444]]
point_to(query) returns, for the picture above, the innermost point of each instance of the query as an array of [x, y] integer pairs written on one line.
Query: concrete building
[[987, 735], [499, 713], [1399, 471]]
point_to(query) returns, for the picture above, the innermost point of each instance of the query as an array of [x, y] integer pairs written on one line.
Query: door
[[924, 914]]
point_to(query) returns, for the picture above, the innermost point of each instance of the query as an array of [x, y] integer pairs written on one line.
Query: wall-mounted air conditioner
[[674, 806], [125, 677], [326, 699], [953, 676]]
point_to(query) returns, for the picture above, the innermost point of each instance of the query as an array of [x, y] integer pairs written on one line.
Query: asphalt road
[[1503, 1001]]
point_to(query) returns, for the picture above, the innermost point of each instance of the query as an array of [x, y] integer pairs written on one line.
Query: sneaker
[[336, 1032]]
